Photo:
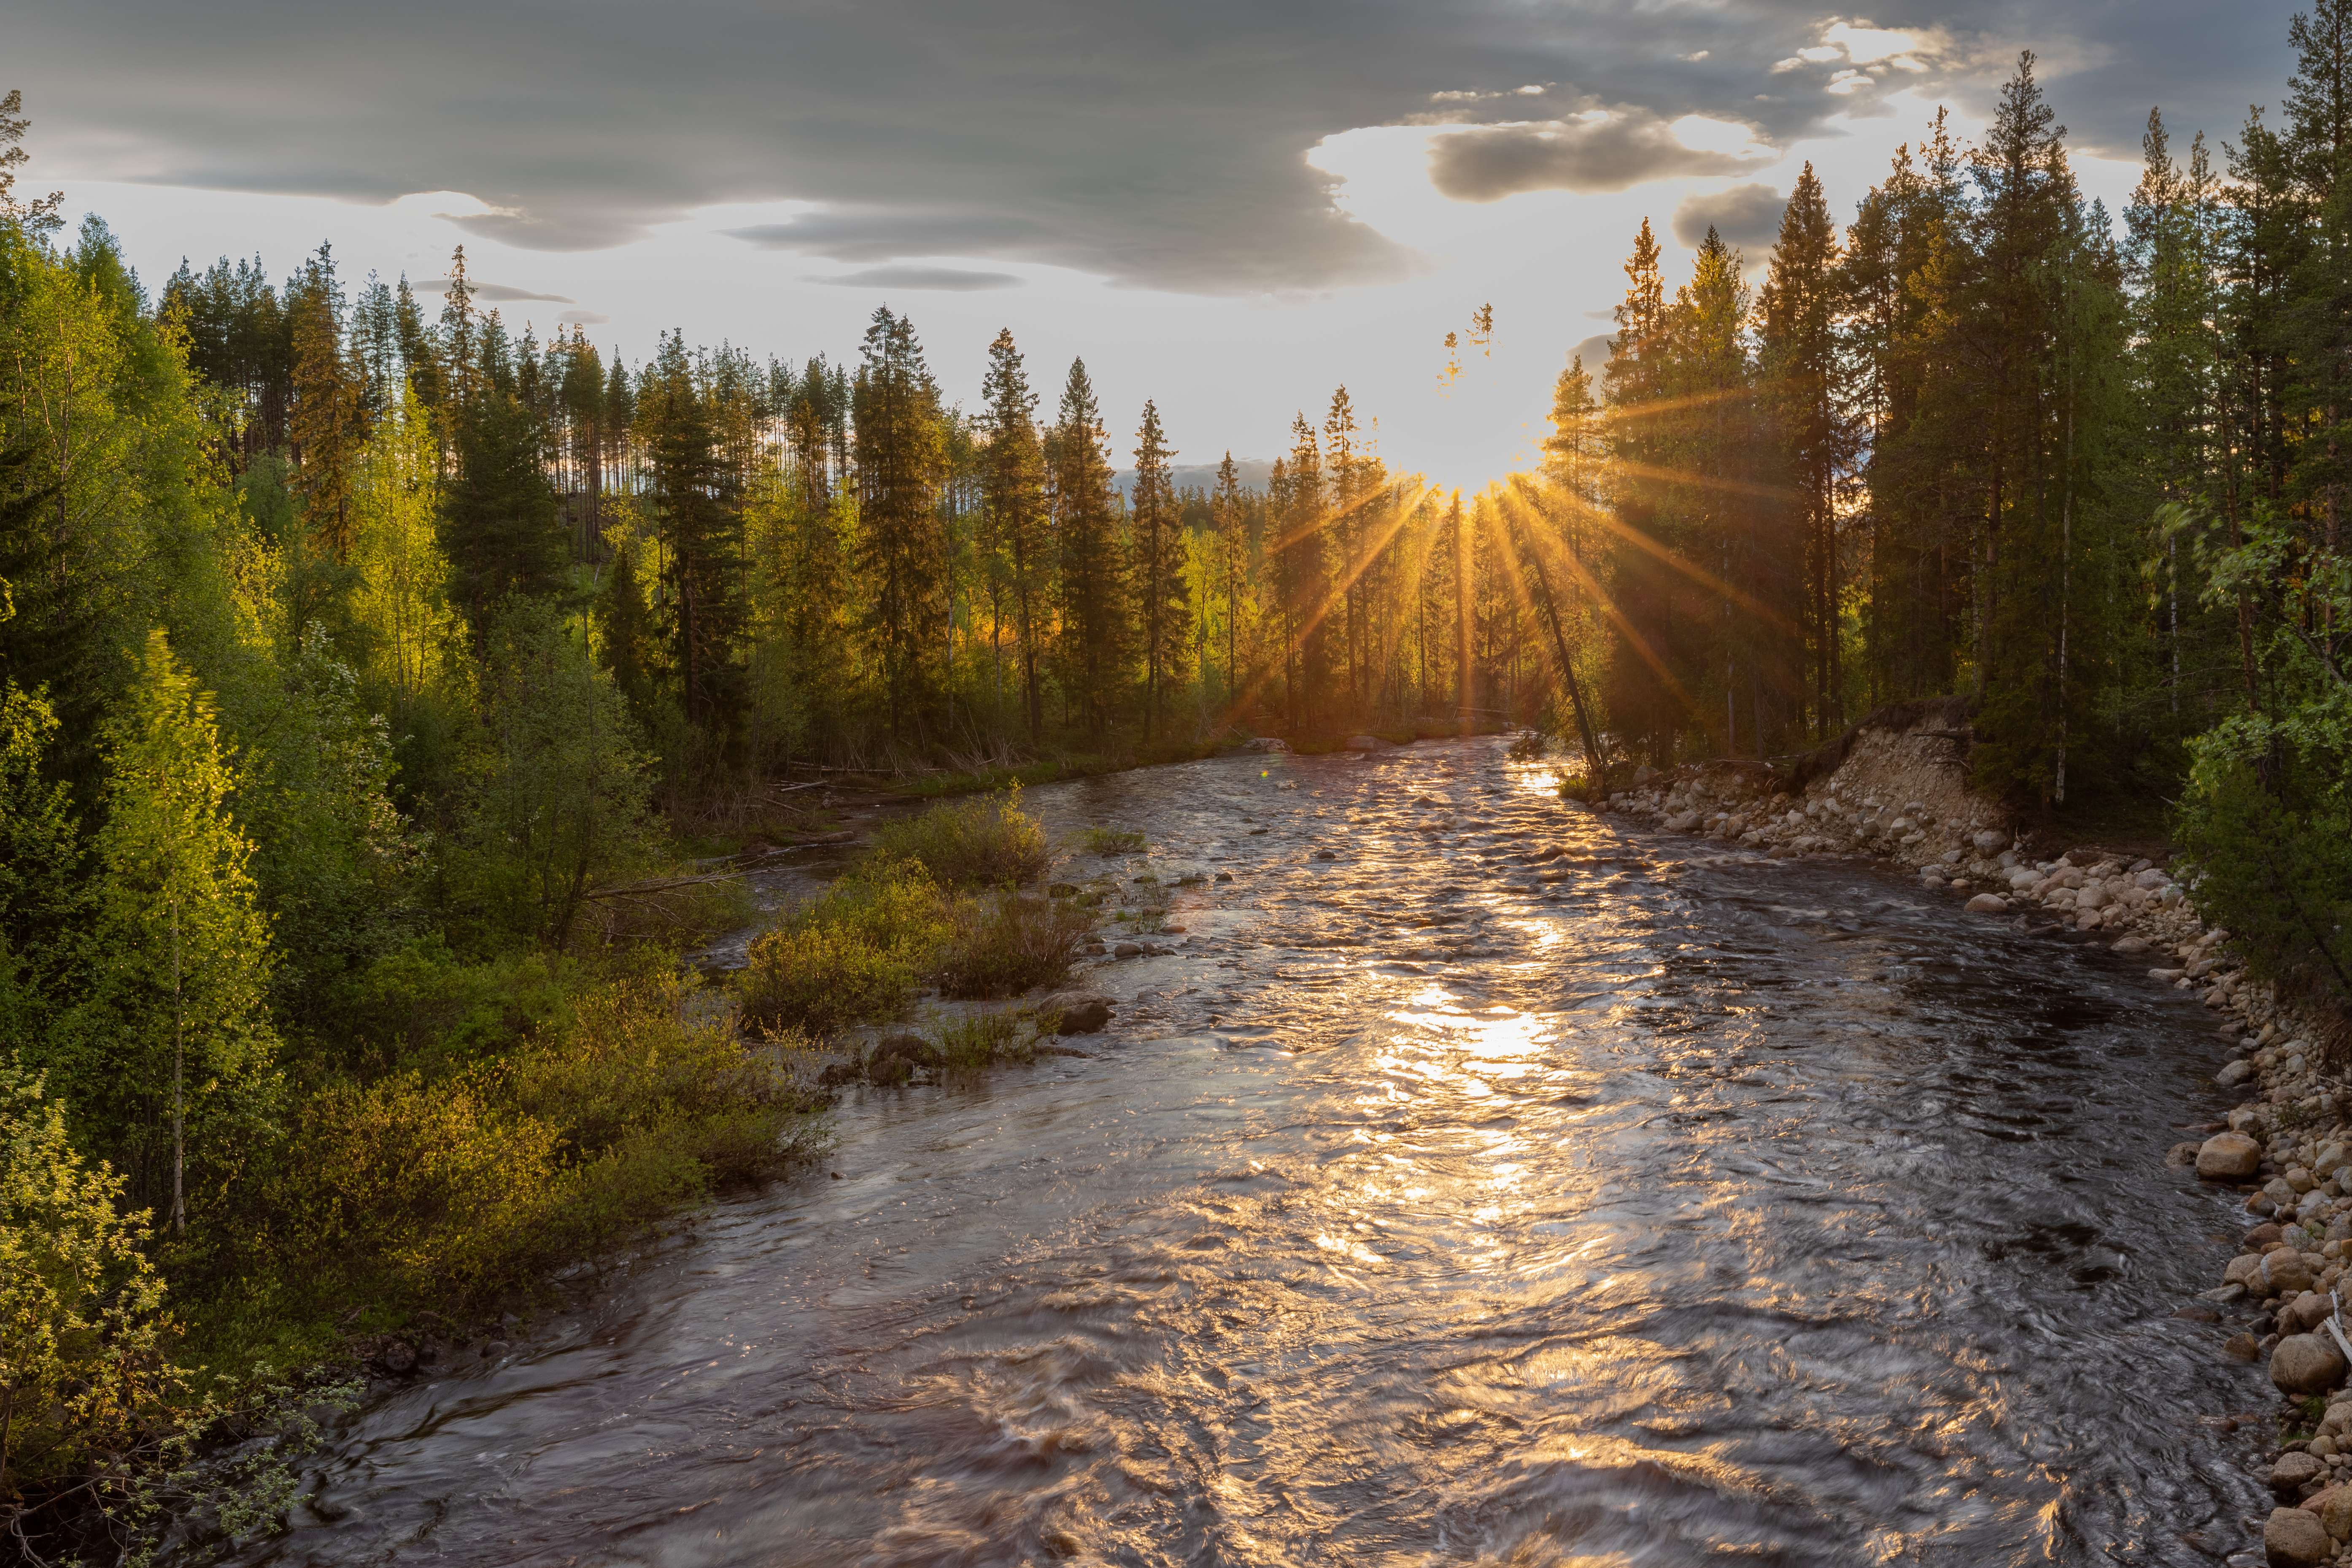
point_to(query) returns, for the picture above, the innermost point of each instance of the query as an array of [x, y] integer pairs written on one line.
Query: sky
[[1227, 206]]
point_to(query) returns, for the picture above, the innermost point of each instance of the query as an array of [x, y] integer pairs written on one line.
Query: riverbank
[[1896, 790]]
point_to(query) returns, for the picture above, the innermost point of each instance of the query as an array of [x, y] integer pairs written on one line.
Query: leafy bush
[[1110, 841], [455, 1190], [977, 1039], [1000, 944], [82, 1325], [849, 956], [984, 841]]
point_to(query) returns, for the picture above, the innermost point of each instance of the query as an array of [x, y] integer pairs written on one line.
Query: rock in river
[[2229, 1157], [2294, 1537], [1081, 1013], [1988, 904], [2306, 1364]]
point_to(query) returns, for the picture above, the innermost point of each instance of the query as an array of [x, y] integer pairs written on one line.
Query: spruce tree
[[1228, 518], [900, 460], [1163, 602], [1802, 377], [1095, 629], [1013, 498], [699, 524], [329, 422]]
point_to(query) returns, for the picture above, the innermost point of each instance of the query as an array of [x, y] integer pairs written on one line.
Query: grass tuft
[[1110, 841]]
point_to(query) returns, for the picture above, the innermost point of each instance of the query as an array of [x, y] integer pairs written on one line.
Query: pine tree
[[329, 422], [1095, 629], [699, 525], [901, 458], [1802, 374], [1014, 497], [1160, 598], [1231, 524]]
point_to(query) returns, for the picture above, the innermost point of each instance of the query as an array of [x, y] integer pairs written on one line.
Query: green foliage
[[83, 1333], [849, 956], [2267, 815], [455, 1188], [171, 1061], [1000, 944], [560, 790], [983, 840]]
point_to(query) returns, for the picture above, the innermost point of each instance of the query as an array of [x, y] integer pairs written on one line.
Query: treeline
[[809, 562], [1985, 444]]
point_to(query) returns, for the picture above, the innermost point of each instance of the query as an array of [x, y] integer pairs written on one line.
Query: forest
[[372, 678]]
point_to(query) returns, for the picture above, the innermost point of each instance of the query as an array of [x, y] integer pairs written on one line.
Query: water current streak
[[1432, 1204]]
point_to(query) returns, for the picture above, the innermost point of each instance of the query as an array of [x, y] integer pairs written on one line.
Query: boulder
[[1079, 1012], [2182, 1156], [2334, 1508], [1989, 841], [2261, 1237], [2290, 1472], [2235, 1073], [2284, 1273], [2303, 1314], [2229, 1157], [2306, 1364], [1988, 904], [2131, 944], [2246, 1268], [2294, 1537], [2242, 1347]]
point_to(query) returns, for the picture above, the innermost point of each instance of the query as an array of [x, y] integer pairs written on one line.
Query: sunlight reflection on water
[[1501, 1215]]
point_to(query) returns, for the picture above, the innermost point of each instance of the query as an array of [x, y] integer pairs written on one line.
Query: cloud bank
[[1159, 147]]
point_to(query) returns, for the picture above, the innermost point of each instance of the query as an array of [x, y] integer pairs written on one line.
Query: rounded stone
[[2290, 1472], [2306, 1364], [1988, 904], [2229, 1157], [2334, 1508], [2284, 1273], [2294, 1537]]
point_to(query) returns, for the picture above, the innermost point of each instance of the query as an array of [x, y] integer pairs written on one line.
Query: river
[[1652, 1206]]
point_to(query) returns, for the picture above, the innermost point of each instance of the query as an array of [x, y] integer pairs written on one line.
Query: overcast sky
[[1228, 207]]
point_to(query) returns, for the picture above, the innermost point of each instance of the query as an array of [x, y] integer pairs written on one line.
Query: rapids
[[1656, 1205]]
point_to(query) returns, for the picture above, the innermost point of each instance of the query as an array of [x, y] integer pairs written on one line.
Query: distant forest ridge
[[1255, 474]]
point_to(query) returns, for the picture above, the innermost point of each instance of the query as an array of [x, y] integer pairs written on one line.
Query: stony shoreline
[[1898, 795]]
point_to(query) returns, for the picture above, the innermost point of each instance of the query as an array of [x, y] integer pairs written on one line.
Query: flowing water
[[1424, 1205]]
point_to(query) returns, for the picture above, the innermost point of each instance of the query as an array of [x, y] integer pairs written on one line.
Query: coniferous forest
[[372, 678]]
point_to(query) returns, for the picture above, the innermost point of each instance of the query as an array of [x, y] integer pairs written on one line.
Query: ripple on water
[[1664, 1206]]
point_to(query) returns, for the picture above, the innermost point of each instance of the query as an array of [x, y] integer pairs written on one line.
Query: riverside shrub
[[454, 1190], [1001, 943], [851, 955], [985, 841]]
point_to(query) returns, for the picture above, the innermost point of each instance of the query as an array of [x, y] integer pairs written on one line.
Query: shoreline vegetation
[[378, 686]]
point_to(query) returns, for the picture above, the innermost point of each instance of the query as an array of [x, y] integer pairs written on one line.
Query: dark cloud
[[496, 293], [954, 280], [1746, 216], [1160, 146], [1623, 147]]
